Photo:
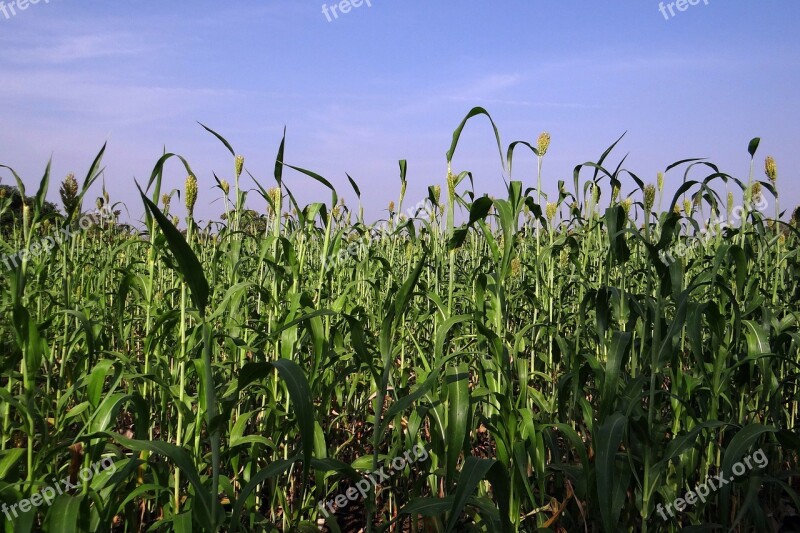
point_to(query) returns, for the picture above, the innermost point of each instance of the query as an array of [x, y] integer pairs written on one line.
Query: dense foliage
[[573, 365]]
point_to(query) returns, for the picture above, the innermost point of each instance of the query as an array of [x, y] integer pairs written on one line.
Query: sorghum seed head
[[165, 199], [563, 259], [100, 203], [626, 205], [3, 193], [660, 181], [26, 213], [730, 203], [391, 206], [69, 192], [70, 184], [771, 169], [551, 209], [191, 192], [687, 207], [614, 193], [543, 143], [516, 267], [437, 193], [225, 186], [451, 184], [238, 165], [275, 196], [756, 192], [649, 197]]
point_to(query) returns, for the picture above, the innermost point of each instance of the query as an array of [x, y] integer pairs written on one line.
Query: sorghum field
[[576, 361]]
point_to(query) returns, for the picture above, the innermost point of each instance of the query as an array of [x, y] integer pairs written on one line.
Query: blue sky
[[391, 81]]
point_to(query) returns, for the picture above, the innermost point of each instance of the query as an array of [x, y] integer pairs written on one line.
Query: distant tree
[[11, 206]]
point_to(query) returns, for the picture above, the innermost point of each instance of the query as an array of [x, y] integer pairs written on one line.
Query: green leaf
[[458, 409], [740, 443], [457, 133], [275, 469], [753, 146], [181, 459], [300, 393], [9, 458], [64, 514], [189, 265], [220, 137], [473, 472], [609, 438]]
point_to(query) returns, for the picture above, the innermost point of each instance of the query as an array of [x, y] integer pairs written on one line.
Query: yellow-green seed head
[[238, 165], [516, 267], [275, 196], [626, 205], [26, 214], [451, 184], [165, 199], [550, 210], [100, 203], [391, 206], [687, 207], [69, 192], [70, 185], [595, 194], [676, 209], [771, 169], [649, 197], [730, 203], [225, 186], [660, 181], [563, 259], [175, 221], [543, 143], [614, 193], [190, 187], [756, 192], [437, 193], [3, 193]]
